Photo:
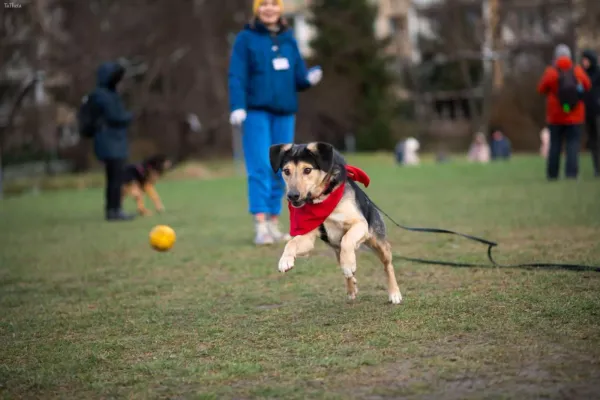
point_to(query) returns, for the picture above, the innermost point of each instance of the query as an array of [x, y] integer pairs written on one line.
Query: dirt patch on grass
[[565, 374]]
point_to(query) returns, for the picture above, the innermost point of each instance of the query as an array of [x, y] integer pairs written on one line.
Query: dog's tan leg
[[153, 194], [352, 239], [351, 283], [384, 251], [125, 191], [138, 195], [297, 246]]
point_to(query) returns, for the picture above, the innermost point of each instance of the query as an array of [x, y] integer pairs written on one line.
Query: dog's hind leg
[[350, 242], [153, 194], [138, 195], [384, 251], [125, 191]]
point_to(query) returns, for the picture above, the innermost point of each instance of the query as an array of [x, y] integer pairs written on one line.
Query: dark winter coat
[[110, 141], [592, 98]]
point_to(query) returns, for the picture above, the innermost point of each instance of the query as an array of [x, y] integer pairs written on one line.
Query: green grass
[[90, 311]]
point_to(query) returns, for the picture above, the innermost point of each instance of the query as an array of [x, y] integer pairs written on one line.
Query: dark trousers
[[114, 178], [571, 136], [591, 127]]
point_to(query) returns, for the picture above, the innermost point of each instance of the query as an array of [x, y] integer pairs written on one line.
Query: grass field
[[90, 311]]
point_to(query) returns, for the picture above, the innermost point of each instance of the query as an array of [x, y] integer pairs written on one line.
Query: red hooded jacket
[[549, 86]]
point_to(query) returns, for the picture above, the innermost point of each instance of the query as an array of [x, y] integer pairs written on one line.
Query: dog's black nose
[[293, 196]]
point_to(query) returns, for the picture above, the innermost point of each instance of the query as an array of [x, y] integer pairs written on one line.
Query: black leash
[[490, 244]]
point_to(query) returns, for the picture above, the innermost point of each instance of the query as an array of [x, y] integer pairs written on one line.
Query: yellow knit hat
[[257, 4]]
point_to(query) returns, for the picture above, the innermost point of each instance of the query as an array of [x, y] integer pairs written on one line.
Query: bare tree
[[178, 54]]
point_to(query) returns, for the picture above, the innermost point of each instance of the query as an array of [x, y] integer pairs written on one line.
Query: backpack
[[86, 118], [569, 93]]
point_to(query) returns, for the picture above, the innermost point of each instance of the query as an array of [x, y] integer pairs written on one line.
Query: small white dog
[[411, 147]]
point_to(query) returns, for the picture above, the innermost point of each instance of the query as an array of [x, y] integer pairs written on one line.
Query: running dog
[[325, 202], [140, 179]]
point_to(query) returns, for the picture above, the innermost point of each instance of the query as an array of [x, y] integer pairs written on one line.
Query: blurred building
[[512, 38], [392, 20], [588, 33]]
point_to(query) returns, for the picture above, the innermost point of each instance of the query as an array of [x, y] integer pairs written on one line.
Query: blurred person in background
[[406, 151], [399, 151], [591, 99], [480, 150], [563, 84], [544, 142], [111, 144], [500, 146], [266, 72]]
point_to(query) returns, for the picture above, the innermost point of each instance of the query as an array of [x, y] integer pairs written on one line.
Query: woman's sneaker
[[263, 234], [276, 234]]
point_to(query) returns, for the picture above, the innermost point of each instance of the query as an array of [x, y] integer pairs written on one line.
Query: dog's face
[[158, 163], [304, 169]]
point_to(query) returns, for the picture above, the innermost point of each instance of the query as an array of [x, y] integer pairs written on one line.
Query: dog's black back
[[140, 172]]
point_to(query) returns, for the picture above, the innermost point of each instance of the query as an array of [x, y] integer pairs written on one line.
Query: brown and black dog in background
[[140, 179]]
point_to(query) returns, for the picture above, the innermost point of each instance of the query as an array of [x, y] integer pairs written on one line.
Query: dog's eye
[[286, 171], [307, 171]]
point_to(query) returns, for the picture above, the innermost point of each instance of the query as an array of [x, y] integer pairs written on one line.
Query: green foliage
[[346, 46]]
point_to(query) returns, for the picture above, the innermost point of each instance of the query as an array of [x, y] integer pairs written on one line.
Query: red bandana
[[310, 216]]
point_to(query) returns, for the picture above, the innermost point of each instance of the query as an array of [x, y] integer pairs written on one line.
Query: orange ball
[[162, 237]]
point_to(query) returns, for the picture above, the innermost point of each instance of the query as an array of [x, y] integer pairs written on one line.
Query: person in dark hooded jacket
[[111, 144], [589, 62]]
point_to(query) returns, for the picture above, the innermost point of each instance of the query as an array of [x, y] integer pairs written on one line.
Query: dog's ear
[[276, 153], [323, 153]]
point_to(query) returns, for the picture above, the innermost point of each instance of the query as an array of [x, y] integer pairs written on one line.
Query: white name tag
[[281, 64]]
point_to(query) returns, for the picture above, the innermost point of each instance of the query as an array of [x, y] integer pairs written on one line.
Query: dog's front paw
[[286, 263], [395, 297], [352, 287]]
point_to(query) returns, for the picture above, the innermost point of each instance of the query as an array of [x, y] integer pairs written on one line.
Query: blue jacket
[[110, 141], [500, 148], [254, 83]]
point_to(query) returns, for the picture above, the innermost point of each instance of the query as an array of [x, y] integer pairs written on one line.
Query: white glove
[[314, 75], [237, 117]]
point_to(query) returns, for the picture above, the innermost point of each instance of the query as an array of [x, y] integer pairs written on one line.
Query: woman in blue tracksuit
[[266, 72]]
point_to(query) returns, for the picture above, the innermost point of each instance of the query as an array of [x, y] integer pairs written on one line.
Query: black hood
[[593, 58], [109, 74]]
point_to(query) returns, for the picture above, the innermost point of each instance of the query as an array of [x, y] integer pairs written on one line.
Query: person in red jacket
[[564, 116]]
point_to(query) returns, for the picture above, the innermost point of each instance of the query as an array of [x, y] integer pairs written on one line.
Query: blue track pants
[[260, 131]]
